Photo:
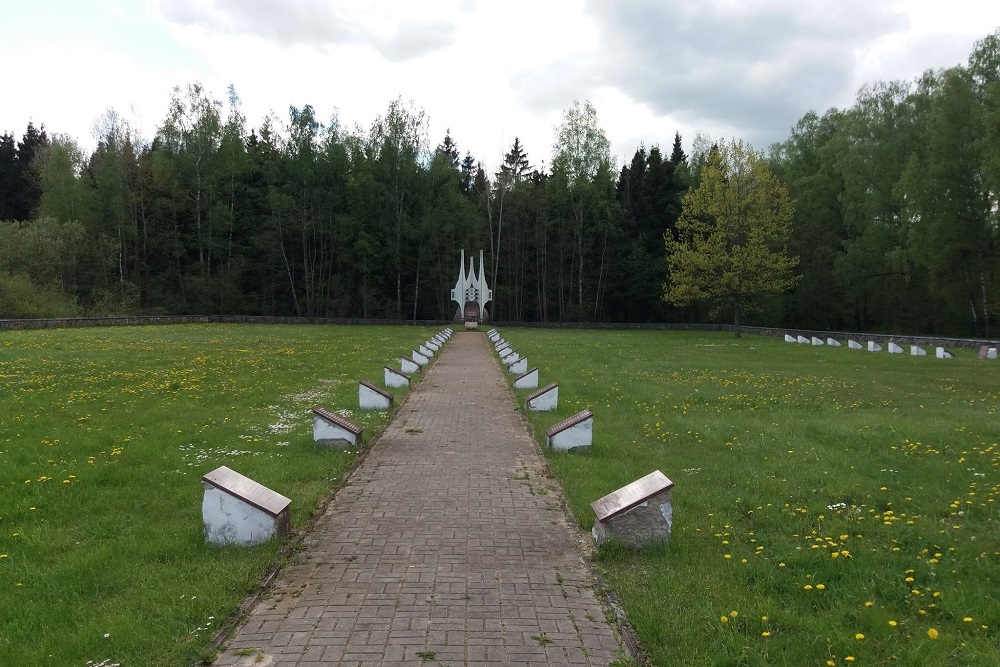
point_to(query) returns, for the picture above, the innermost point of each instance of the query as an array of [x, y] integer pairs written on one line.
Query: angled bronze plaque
[[377, 390], [544, 390], [247, 490], [631, 495], [337, 420], [569, 422]]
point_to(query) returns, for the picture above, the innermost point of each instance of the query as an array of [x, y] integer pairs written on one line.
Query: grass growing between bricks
[[106, 433], [832, 506]]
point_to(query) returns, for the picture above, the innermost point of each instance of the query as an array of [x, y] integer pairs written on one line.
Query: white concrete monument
[[394, 378], [636, 514], [991, 353], [371, 397], [942, 353], [505, 350], [790, 338], [433, 346], [527, 380], [572, 434], [408, 365], [918, 351], [519, 366], [329, 428], [237, 510], [894, 349], [418, 358], [854, 345], [802, 339], [833, 342], [874, 347], [817, 341], [471, 293], [543, 400], [426, 351]]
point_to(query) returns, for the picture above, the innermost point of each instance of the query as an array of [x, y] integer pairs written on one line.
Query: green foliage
[[730, 247]]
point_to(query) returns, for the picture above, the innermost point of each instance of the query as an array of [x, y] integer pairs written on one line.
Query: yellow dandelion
[[892, 623], [734, 614], [724, 619], [728, 556], [808, 587], [859, 636], [848, 658], [967, 619], [869, 603], [932, 633], [821, 587], [765, 634]]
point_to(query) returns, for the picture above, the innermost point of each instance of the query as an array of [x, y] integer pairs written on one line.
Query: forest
[[896, 219]]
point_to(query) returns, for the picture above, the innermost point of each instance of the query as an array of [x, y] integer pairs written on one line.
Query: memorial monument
[[471, 293]]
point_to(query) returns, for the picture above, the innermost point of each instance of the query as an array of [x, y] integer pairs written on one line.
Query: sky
[[485, 70]]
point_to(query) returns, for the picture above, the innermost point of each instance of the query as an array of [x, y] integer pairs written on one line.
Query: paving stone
[[437, 544]]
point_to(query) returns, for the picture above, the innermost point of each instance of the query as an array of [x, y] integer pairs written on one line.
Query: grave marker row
[[985, 352]]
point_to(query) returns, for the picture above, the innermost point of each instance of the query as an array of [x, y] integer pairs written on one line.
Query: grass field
[[831, 507], [105, 435]]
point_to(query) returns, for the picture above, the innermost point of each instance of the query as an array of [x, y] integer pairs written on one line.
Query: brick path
[[443, 549]]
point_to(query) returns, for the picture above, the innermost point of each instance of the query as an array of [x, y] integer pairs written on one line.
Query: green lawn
[[105, 435], [831, 507]]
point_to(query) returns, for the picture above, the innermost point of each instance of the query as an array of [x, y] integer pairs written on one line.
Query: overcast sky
[[489, 70]]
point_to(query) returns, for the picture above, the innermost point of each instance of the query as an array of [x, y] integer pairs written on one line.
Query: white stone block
[[510, 358], [505, 350], [942, 353], [833, 342], [371, 397], [817, 341], [802, 339], [874, 347], [419, 358], [329, 428], [237, 510], [571, 434], [790, 338], [426, 351], [991, 353], [432, 346], [408, 365], [527, 380], [543, 400], [519, 366], [895, 349], [918, 351], [636, 514], [854, 345], [394, 378]]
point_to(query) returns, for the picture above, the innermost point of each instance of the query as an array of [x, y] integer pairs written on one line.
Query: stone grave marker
[[491, 332], [527, 380], [329, 428], [510, 358], [572, 434], [543, 400], [432, 346], [895, 349], [853, 344], [505, 350], [426, 351], [942, 353], [790, 338], [449, 331], [874, 347], [237, 510], [408, 365], [833, 342], [918, 351], [519, 366], [419, 358], [802, 339], [637, 514], [817, 341], [371, 397], [394, 378], [991, 353]]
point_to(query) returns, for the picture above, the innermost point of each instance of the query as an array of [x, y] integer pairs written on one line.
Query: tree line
[[891, 213]]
